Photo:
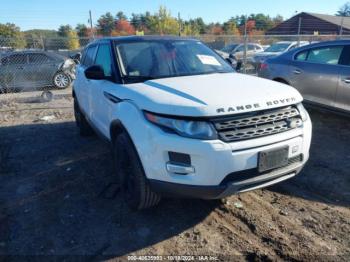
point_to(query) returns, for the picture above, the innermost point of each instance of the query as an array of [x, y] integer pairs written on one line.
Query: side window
[[301, 56], [38, 59], [251, 47], [325, 55], [292, 47], [345, 57], [89, 56], [103, 58], [240, 48]]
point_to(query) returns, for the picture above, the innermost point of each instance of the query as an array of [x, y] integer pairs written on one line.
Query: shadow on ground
[[326, 177], [59, 196]]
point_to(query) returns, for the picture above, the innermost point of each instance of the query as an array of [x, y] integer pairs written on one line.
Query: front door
[[315, 74], [100, 105]]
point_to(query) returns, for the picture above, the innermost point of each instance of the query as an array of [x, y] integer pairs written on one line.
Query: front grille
[[257, 124]]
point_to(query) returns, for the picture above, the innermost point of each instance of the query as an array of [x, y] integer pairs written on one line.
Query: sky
[[50, 14]]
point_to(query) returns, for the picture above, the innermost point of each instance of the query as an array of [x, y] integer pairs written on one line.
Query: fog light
[[179, 169]]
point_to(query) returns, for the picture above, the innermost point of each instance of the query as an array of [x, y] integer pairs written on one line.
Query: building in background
[[312, 24]]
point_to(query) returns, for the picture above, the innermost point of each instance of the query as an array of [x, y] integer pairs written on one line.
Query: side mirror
[[95, 72]]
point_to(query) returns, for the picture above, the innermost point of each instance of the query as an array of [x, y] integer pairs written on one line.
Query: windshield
[[143, 60], [229, 48], [276, 48]]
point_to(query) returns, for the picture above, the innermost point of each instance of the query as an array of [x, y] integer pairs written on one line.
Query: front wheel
[[138, 193], [61, 80]]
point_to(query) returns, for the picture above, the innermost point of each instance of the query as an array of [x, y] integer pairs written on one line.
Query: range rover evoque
[[181, 122]]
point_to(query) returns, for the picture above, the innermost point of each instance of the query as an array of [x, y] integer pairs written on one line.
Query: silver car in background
[[34, 70], [276, 49], [320, 72]]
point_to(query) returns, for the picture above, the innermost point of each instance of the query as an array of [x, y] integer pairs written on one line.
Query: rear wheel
[[138, 193], [84, 127]]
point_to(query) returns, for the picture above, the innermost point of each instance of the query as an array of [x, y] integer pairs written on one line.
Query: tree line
[[161, 22]]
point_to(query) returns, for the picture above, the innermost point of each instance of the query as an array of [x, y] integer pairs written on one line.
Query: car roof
[[333, 42], [121, 39], [25, 52]]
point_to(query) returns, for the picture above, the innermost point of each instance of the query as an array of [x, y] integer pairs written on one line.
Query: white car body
[[209, 97]]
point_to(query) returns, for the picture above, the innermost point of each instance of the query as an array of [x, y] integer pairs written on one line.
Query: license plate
[[274, 158]]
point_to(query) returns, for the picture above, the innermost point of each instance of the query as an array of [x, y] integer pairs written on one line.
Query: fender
[[126, 116]]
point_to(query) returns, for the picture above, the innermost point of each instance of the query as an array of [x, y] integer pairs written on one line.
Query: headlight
[[187, 128], [68, 64], [303, 113]]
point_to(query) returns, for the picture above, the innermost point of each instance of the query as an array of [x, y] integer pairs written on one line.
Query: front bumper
[[226, 189], [215, 161]]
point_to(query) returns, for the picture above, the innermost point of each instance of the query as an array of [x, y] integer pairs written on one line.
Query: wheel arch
[[281, 80], [116, 128]]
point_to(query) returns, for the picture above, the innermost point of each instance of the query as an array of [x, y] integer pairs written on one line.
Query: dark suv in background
[[32, 70]]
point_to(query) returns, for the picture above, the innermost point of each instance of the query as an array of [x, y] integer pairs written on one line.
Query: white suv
[[182, 123]]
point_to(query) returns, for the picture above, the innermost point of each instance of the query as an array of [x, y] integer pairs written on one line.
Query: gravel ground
[[59, 196]]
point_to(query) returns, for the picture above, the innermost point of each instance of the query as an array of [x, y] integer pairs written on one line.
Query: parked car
[[181, 122], [320, 72], [275, 50], [234, 53], [252, 49], [30, 70]]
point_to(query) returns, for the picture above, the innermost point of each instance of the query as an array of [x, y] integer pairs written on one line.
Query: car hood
[[209, 95]]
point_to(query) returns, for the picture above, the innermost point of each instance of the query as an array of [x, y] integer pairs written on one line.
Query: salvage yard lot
[[59, 196]]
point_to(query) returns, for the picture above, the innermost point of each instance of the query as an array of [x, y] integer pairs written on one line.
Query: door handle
[[346, 80], [297, 72]]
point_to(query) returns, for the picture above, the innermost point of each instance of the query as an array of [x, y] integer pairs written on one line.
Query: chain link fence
[[44, 68], [249, 51], [35, 77]]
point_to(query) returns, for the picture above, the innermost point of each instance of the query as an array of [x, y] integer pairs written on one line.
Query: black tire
[[61, 80], [84, 127], [135, 187]]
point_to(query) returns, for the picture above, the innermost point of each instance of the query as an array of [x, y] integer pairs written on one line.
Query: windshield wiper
[[129, 78]]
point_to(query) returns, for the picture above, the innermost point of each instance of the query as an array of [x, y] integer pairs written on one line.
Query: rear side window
[[103, 58], [301, 56], [38, 59], [89, 56], [323, 55], [251, 48]]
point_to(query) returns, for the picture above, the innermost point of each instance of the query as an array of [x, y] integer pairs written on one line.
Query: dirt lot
[[59, 196]]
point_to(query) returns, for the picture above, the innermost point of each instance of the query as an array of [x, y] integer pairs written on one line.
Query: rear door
[[343, 92], [315, 73], [41, 69]]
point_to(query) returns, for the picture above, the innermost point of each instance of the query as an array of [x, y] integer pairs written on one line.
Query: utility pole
[[299, 30], [245, 46], [341, 26], [92, 30], [180, 24]]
